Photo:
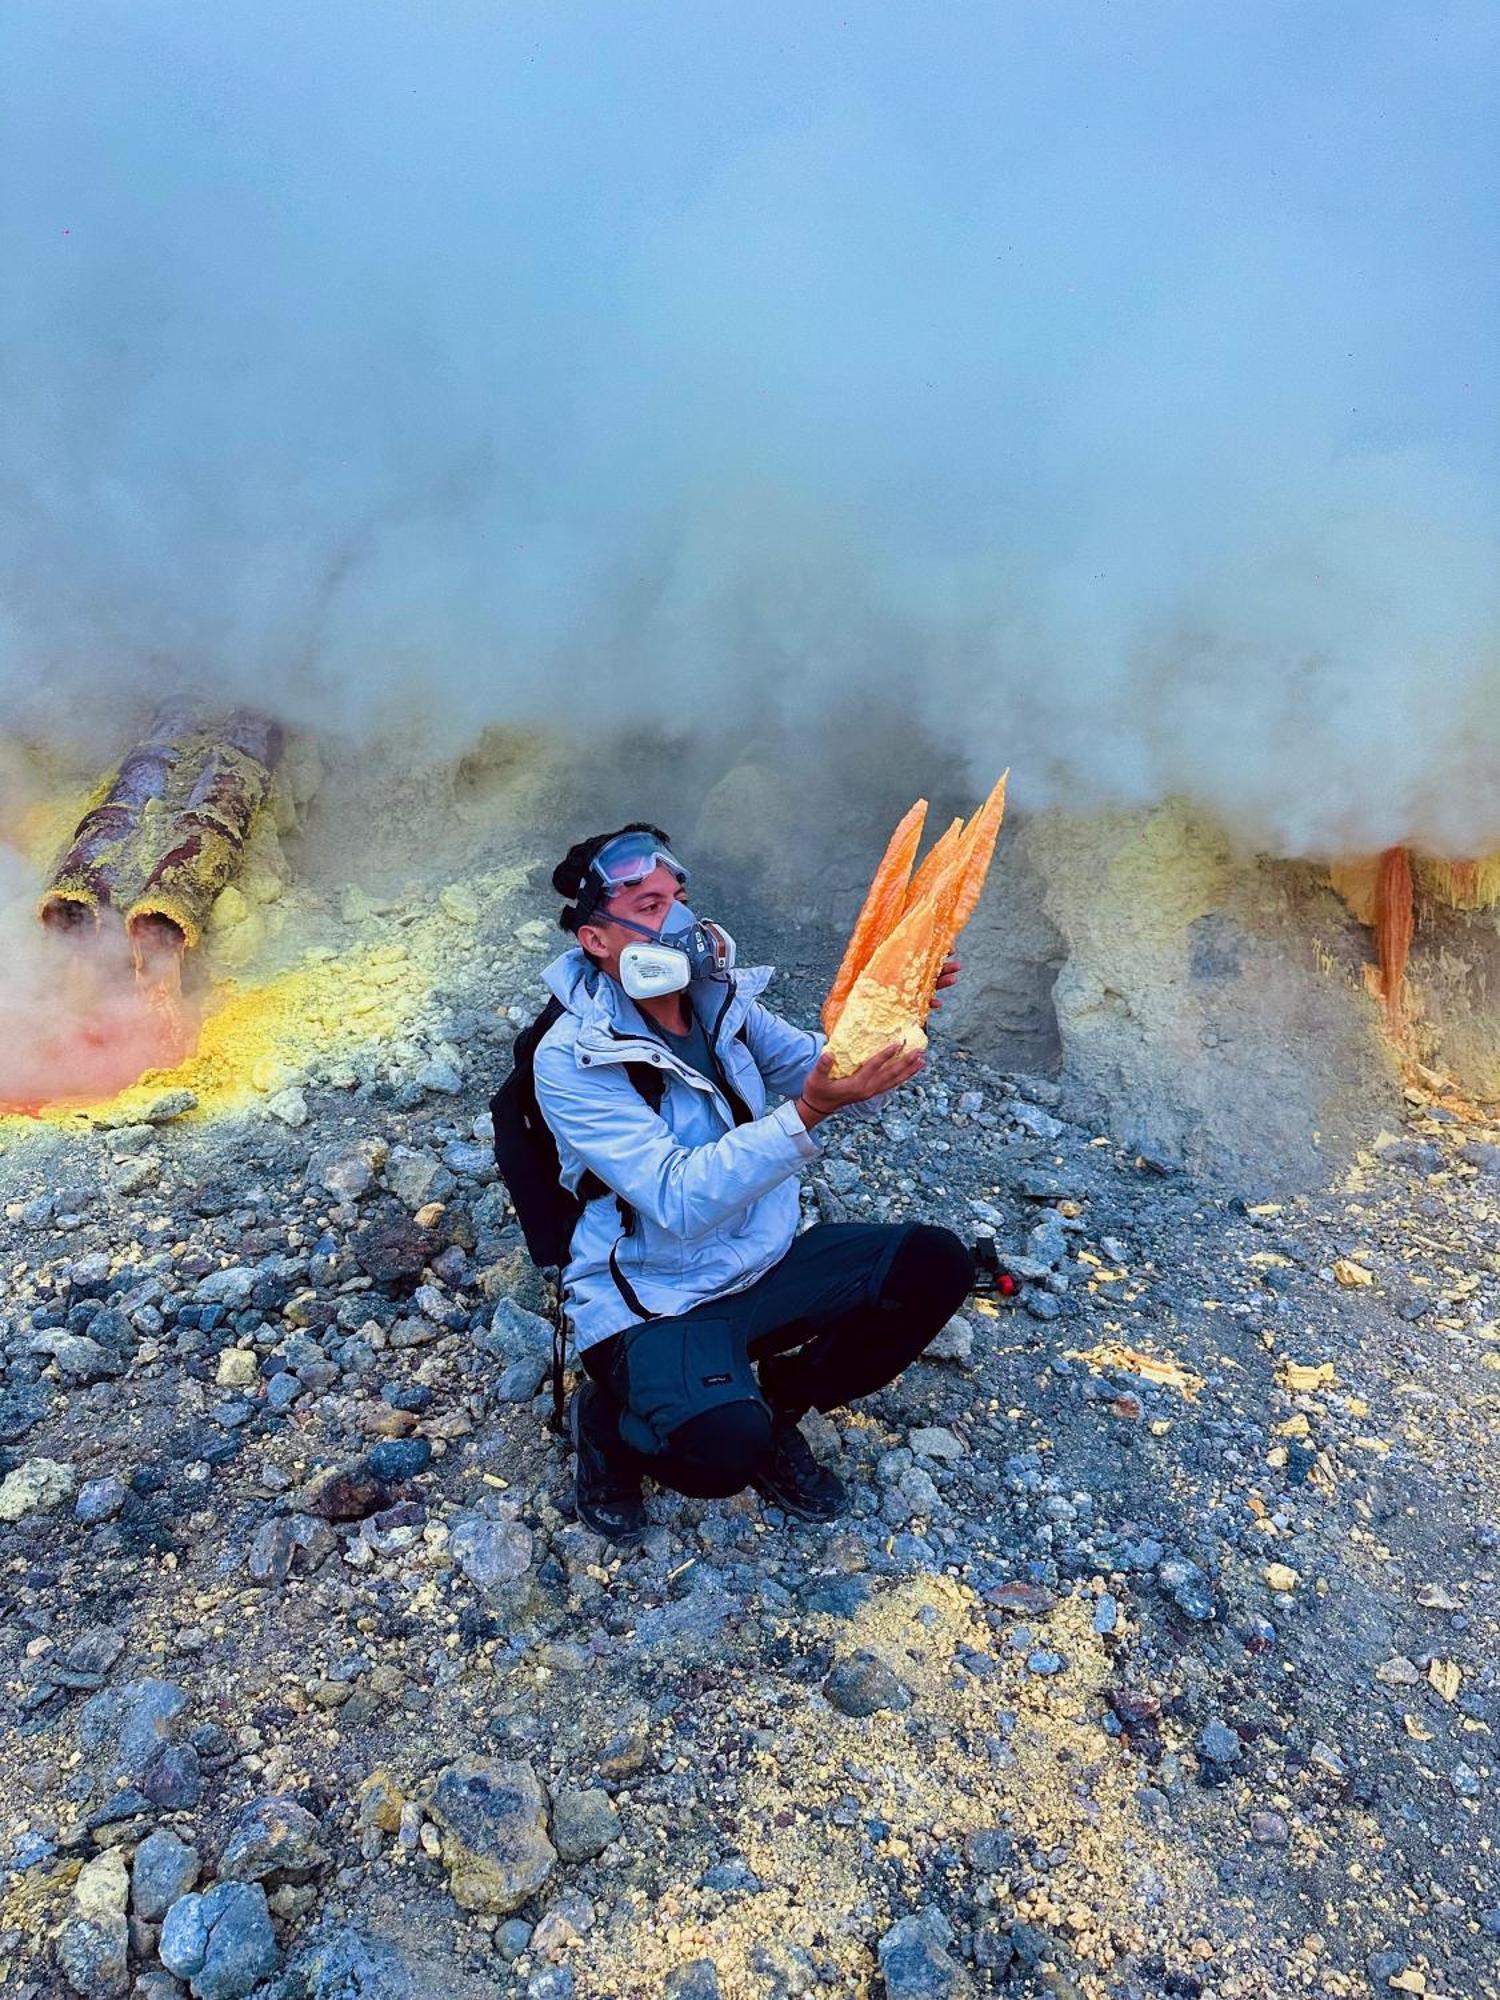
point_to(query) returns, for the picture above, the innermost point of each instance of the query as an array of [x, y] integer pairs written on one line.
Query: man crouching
[[705, 1325]]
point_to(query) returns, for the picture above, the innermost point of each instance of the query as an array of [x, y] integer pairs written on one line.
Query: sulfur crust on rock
[[174, 851], [1459, 885]]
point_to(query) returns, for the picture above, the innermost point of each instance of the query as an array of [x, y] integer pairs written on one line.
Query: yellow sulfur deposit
[[1158, 1368], [1120, 1886], [256, 1039]]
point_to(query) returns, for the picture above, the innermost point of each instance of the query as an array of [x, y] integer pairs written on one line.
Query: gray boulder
[[863, 1685], [78, 1359], [583, 1823], [346, 1170], [231, 1287], [221, 1942], [163, 1869], [492, 1554], [351, 1966], [122, 1729], [916, 1967], [273, 1836]]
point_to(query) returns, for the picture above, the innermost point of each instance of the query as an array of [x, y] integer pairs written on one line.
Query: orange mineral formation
[[890, 994], [883, 905], [1383, 890], [1393, 924]]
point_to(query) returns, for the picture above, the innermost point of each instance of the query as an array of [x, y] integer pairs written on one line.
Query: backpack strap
[[651, 1085]]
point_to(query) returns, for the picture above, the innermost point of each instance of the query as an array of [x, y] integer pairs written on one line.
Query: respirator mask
[[684, 949]]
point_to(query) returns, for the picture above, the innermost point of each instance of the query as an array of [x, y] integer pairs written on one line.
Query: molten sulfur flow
[[1384, 891], [99, 1000], [83, 1023]]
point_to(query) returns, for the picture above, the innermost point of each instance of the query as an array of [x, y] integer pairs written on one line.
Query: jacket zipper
[[663, 1058]]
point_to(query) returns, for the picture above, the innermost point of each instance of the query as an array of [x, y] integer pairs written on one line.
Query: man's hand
[[952, 966], [823, 1093]]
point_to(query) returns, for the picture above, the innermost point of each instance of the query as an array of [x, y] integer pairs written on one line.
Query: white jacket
[[714, 1202]]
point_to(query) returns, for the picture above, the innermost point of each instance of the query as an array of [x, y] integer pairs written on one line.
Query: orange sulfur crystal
[[891, 995]]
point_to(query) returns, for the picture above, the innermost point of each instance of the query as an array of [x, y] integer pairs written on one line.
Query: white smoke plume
[[1115, 382]]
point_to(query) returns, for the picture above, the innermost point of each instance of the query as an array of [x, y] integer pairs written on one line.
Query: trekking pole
[[559, 1349]]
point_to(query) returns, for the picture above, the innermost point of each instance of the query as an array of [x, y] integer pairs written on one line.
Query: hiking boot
[[606, 1484], [793, 1480]]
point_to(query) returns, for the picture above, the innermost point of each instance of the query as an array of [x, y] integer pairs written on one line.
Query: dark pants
[[845, 1311]]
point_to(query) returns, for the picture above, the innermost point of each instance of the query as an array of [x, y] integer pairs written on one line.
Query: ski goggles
[[629, 858]]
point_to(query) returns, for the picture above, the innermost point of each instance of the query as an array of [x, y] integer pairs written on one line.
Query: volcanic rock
[[1188, 1588], [124, 1728], [94, 1941], [289, 1106], [278, 1542], [168, 1105], [953, 1342], [162, 1869], [23, 1405], [697, 1980], [514, 1334], [346, 1171], [583, 1823], [222, 1941], [90, 1657], [934, 1441], [352, 1966], [34, 1487], [392, 1249], [863, 1684], [410, 1175], [273, 1836], [395, 1459], [78, 1358], [494, 1833], [173, 1780], [491, 1554], [343, 1492], [1219, 1743], [230, 1287], [916, 1967], [100, 1500]]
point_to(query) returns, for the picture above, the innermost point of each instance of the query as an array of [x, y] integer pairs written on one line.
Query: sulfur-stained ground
[[1177, 1580]]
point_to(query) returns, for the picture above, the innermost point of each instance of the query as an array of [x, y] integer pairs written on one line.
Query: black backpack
[[526, 1152], [526, 1155]]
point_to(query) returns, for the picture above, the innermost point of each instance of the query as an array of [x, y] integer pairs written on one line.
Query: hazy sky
[[1123, 377]]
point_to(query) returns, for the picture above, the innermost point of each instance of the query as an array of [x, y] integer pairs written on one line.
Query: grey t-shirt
[[693, 1048]]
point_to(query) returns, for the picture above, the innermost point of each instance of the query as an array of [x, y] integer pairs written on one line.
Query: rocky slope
[[1157, 1655]]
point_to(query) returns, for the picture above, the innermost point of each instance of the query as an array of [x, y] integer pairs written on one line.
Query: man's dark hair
[[573, 878]]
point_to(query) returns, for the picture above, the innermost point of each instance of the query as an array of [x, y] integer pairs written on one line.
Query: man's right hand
[[823, 1093]]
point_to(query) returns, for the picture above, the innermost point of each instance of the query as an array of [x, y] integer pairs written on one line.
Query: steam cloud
[[1117, 381]]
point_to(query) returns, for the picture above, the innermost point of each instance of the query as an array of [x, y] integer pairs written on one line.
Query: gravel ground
[[1158, 1654]]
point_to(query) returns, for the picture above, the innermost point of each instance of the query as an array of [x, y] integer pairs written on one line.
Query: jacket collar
[[610, 1023]]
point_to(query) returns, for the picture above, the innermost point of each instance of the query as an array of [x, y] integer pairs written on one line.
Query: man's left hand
[[952, 966]]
